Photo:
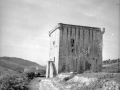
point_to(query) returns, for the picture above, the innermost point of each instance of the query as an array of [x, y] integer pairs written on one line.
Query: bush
[[15, 82], [41, 72], [30, 75], [33, 74]]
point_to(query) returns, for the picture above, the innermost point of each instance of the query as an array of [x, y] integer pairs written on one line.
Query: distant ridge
[[14, 64]]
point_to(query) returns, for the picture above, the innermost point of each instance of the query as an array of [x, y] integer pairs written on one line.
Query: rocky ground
[[89, 81]]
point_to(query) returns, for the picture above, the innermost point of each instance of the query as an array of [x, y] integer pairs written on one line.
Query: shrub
[[30, 75], [14, 82], [33, 74], [42, 72]]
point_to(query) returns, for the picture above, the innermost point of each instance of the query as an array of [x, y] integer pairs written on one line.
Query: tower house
[[75, 48]]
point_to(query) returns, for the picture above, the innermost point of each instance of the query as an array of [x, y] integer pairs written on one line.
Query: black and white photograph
[[59, 44]]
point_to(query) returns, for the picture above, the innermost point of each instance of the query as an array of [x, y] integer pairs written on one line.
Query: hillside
[[13, 64], [6, 71], [113, 67]]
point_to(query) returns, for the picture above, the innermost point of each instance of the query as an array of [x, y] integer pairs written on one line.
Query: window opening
[[72, 44], [53, 42], [54, 59]]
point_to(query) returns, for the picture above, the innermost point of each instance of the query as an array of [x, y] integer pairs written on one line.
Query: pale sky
[[24, 25]]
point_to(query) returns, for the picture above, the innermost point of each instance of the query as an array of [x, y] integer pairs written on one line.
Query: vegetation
[[111, 61], [17, 64], [18, 81], [16, 73], [14, 82]]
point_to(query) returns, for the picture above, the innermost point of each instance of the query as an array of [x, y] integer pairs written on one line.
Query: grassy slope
[[6, 71], [21, 61], [12, 65], [111, 67]]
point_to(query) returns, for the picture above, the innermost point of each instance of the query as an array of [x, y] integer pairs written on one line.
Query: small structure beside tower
[[75, 48]]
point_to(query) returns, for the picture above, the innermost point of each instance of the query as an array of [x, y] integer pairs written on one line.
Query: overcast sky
[[24, 25]]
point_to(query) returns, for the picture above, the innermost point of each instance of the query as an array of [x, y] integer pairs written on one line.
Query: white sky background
[[24, 25]]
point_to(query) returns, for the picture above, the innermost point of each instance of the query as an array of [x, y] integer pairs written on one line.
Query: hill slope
[[113, 67], [13, 64]]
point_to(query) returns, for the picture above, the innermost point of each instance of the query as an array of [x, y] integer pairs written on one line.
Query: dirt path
[[34, 84], [46, 84], [41, 84]]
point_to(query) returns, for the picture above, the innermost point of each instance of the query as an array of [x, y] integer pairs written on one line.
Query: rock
[[111, 85]]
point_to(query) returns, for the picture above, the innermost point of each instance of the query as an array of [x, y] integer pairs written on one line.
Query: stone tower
[[75, 48]]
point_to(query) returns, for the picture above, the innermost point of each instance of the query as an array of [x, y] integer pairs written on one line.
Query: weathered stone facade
[[75, 48]]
